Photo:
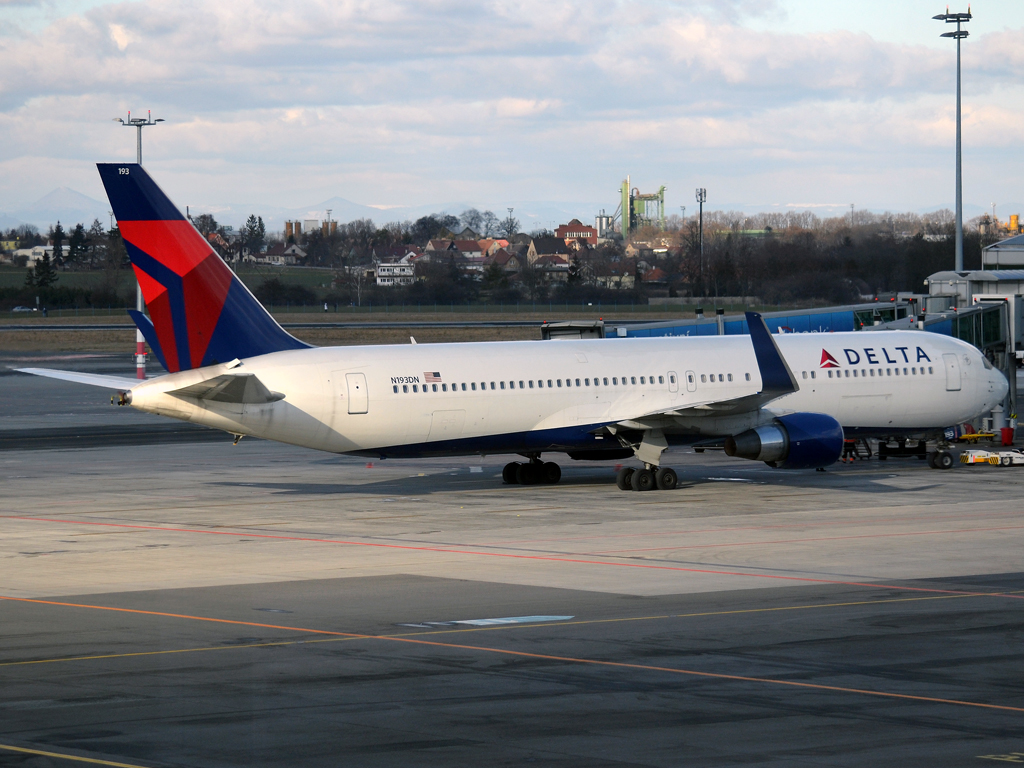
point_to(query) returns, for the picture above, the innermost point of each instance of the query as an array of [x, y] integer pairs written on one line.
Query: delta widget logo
[[827, 361]]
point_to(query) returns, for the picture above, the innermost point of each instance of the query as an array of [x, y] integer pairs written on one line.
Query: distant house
[[278, 253], [509, 262], [577, 230], [440, 246], [34, 254], [395, 252], [550, 246], [554, 268], [489, 246], [396, 267], [467, 234], [395, 273], [525, 250], [656, 275], [470, 248], [617, 274], [642, 250], [221, 245]]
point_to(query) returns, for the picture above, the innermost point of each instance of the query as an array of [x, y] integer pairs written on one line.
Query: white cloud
[[412, 102], [119, 35]]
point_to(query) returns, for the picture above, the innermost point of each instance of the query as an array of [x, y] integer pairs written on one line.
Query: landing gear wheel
[[642, 480], [624, 479], [931, 460], [943, 460], [666, 479], [528, 474], [550, 472], [508, 473]]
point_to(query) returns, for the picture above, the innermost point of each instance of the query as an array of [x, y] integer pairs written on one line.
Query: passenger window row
[[721, 377], [615, 381], [864, 373]]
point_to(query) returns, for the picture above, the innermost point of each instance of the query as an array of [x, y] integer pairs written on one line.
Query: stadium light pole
[[702, 196], [138, 124], [960, 34]]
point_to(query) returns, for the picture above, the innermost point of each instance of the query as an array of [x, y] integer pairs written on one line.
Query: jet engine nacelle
[[796, 441]]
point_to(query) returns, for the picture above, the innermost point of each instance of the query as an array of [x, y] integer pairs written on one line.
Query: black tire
[[508, 473], [624, 479], [642, 480], [931, 460], [944, 460], [528, 474], [666, 479], [550, 472], [1005, 461]]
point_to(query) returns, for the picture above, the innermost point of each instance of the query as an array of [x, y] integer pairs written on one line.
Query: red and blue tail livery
[[200, 313]]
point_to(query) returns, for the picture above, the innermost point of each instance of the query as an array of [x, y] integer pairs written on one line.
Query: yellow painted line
[[62, 756], [99, 657]]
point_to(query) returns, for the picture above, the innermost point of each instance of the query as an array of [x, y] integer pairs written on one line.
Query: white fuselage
[[505, 397]]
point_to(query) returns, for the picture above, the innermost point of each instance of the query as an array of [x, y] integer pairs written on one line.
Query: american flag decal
[[431, 378]]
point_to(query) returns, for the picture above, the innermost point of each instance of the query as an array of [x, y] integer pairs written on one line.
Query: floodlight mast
[[960, 34], [138, 124]]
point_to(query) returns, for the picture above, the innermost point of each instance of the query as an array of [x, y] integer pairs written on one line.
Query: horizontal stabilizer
[[92, 379], [230, 388]]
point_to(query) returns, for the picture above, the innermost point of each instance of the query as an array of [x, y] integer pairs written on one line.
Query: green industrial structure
[[637, 210]]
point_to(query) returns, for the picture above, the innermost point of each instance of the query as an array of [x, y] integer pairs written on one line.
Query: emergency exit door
[[357, 398]]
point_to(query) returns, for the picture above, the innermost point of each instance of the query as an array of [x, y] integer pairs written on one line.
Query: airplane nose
[[1000, 386]]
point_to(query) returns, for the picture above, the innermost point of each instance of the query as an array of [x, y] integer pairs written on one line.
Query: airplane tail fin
[[200, 313]]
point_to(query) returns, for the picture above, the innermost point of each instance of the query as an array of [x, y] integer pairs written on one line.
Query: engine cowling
[[795, 441]]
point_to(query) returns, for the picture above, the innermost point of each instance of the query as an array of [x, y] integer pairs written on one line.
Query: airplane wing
[[230, 388], [777, 380], [93, 379]]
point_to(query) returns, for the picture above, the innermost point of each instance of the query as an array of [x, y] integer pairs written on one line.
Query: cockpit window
[[986, 363]]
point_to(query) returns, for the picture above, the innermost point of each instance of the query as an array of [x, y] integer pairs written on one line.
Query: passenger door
[[952, 366], [691, 381], [358, 401]]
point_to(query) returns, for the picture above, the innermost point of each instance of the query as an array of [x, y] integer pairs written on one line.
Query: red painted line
[[819, 538], [513, 556], [732, 528], [543, 656]]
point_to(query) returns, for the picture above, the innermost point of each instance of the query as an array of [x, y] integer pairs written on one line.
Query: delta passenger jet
[[786, 400]]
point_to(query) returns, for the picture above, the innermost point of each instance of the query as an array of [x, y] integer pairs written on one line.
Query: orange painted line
[[713, 675], [513, 556], [547, 657], [818, 538], [177, 616]]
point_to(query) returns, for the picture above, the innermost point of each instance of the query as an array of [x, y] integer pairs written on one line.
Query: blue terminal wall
[[817, 322]]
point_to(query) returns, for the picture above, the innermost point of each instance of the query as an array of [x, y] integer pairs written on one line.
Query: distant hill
[[62, 204]]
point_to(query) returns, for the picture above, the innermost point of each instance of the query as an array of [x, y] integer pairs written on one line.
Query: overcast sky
[[787, 103]]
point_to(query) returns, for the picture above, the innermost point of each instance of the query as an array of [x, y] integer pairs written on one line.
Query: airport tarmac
[[202, 604]]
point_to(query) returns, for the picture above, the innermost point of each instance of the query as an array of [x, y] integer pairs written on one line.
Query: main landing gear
[[646, 479], [534, 472]]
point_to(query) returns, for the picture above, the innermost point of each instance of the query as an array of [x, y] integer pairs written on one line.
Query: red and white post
[[140, 340]]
